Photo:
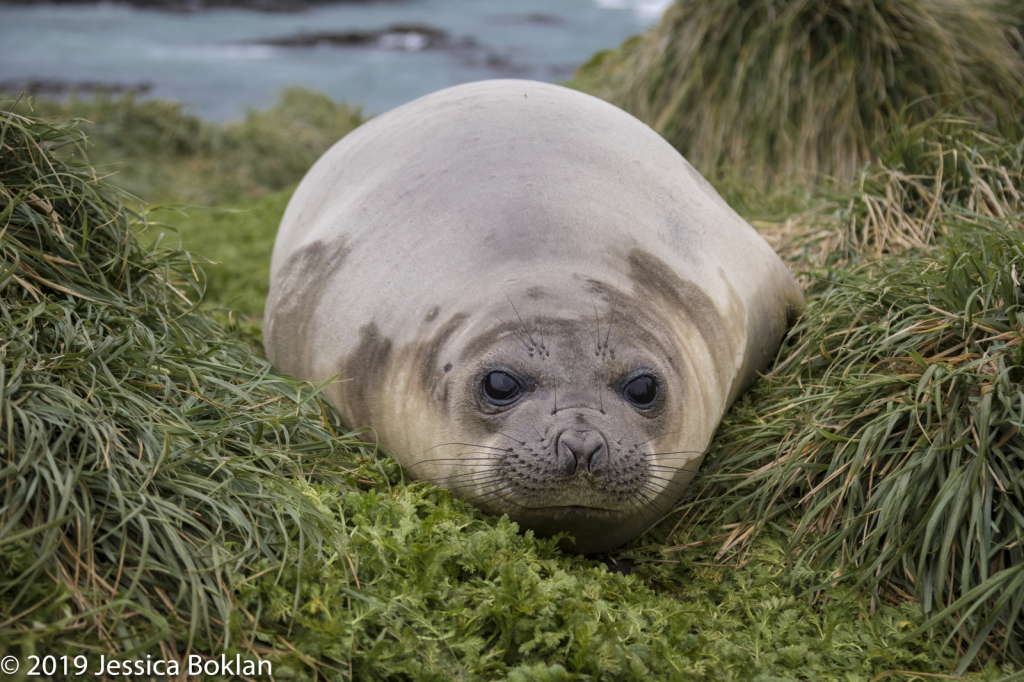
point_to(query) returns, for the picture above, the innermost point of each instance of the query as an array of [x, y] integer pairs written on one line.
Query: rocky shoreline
[[405, 37], [411, 37], [52, 87]]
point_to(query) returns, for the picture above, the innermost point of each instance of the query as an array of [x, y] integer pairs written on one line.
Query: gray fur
[[526, 227]]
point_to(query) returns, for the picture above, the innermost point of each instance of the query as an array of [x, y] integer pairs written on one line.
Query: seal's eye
[[501, 389], [641, 391]]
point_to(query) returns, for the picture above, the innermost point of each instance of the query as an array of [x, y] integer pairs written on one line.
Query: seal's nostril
[[598, 460], [582, 448], [565, 458]]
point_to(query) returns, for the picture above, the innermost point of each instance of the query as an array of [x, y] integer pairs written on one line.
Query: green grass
[[477, 600], [776, 91], [148, 455], [236, 242], [155, 149], [888, 434], [225, 187], [162, 486]]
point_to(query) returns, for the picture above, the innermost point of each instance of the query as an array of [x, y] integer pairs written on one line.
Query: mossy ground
[[378, 578]]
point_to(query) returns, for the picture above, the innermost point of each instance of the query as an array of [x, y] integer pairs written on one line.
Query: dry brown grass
[[929, 173]]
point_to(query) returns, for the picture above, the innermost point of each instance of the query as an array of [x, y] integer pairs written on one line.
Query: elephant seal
[[531, 298]]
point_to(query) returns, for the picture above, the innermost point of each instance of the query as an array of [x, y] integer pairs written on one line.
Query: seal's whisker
[[464, 487], [467, 445], [458, 456], [642, 505], [670, 505], [484, 496], [611, 314], [470, 484], [640, 509], [519, 337], [632, 504], [663, 433], [676, 452], [475, 476], [536, 309], [485, 493], [462, 475], [475, 470], [484, 457], [647, 486], [514, 440], [668, 481], [471, 469], [496, 491], [461, 456], [611, 321], [660, 470], [525, 328], [654, 495], [651, 504], [508, 500], [469, 488], [665, 467], [654, 492]]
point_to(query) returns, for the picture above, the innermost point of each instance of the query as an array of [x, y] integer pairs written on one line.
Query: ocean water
[[215, 61]]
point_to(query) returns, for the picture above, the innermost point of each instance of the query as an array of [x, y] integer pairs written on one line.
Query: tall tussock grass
[[160, 153], [775, 90], [890, 434], [149, 459]]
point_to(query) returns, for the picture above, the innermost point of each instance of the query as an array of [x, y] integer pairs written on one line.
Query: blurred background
[[220, 57]]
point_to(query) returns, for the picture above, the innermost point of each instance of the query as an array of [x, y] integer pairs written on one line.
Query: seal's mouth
[[574, 509]]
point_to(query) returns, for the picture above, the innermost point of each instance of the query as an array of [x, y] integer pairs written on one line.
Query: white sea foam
[[647, 11], [210, 53], [403, 41]]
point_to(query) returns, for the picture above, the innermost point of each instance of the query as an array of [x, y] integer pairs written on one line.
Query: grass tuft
[[777, 90], [148, 457], [888, 436]]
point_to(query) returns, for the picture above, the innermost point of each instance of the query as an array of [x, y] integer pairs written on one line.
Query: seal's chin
[[591, 529], [577, 509]]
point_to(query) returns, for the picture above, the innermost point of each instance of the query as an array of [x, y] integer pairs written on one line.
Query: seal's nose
[[582, 449]]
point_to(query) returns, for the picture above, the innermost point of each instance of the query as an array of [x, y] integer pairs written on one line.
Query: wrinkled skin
[[524, 229]]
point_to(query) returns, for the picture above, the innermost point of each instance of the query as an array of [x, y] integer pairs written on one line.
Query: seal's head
[[564, 420]]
